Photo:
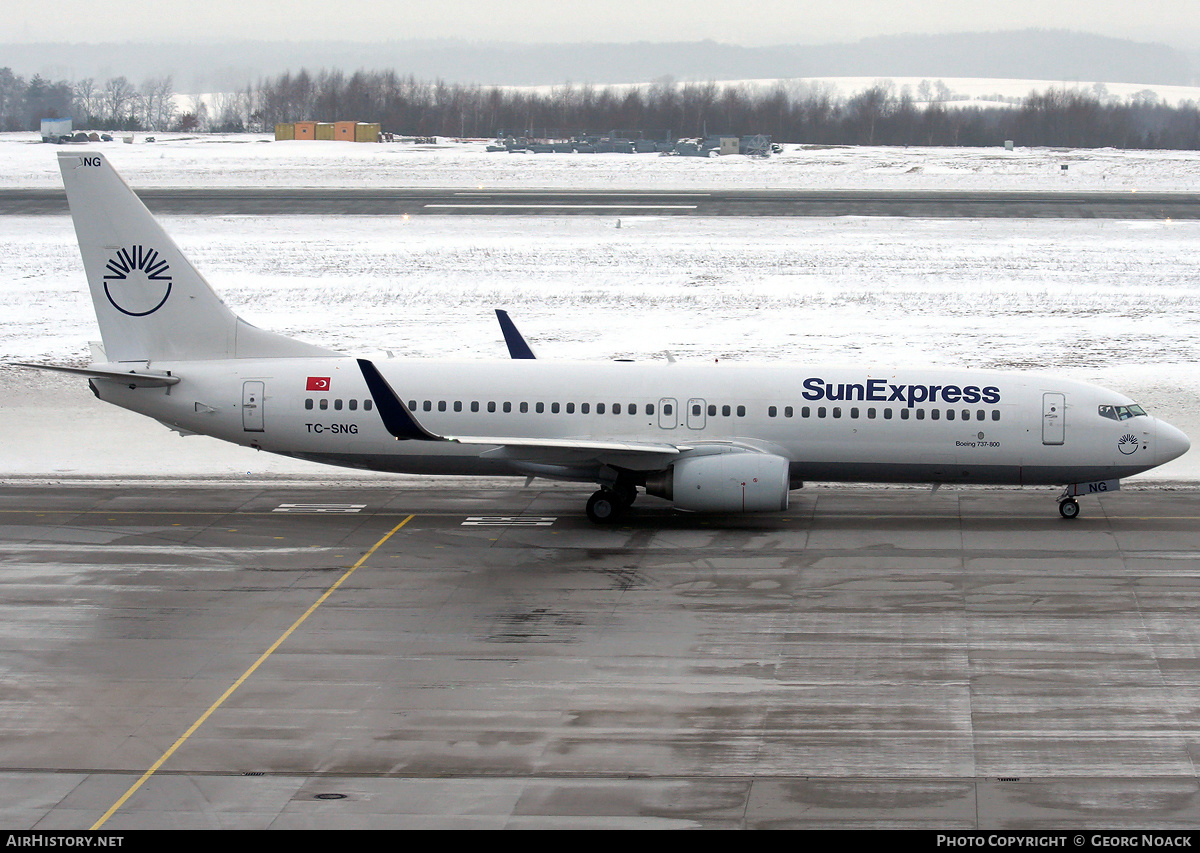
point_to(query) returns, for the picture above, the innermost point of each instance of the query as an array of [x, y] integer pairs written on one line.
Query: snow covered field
[[1113, 302], [248, 160]]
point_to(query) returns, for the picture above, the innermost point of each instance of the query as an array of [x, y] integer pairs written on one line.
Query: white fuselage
[[912, 425]]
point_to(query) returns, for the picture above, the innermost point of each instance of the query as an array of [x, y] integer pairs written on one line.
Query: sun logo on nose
[[1128, 444], [138, 281]]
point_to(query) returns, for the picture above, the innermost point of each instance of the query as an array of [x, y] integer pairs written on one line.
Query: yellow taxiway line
[[215, 705]]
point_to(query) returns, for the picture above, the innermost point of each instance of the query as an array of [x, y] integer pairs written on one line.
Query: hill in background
[[228, 66]]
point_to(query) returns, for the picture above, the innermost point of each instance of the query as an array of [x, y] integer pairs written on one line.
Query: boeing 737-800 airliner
[[711, 437]]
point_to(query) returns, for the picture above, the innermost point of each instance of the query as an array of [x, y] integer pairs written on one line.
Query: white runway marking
[[563, 206], [319, 508]]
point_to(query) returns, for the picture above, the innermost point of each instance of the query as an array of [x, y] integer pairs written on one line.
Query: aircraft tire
[[603, 507], [626, 495], [1069, 508]]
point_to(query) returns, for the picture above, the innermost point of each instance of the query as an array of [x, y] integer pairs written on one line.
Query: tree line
[[115, 104], [792, 111]]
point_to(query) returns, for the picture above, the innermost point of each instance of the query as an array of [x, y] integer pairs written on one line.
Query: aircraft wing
[[572, 444], [399, 421]]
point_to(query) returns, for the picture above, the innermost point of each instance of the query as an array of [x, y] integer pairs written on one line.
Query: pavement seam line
[[254, 666]]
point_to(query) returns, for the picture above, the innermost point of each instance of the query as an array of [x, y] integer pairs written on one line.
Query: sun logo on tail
[[138, 281]]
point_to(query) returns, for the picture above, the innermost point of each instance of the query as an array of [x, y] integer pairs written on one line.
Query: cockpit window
[[1121, 413]]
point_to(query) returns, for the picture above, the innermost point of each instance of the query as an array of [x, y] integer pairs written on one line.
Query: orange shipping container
[[306, 130], [344, 130]]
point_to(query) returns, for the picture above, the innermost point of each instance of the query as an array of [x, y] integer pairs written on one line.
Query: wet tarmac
[[486, 657]]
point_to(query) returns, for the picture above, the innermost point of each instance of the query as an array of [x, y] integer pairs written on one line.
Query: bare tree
[[118, 100], [88, 101]]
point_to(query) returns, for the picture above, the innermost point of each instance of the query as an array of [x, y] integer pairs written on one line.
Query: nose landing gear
[[1068, 508]]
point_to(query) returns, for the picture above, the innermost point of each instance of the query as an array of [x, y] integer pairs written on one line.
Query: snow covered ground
[[248, 160], [1113, 302]]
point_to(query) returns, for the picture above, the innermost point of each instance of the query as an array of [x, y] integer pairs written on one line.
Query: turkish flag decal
[[317, 383]]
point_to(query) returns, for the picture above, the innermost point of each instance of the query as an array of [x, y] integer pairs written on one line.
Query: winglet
[[517, 348], [397, 419]]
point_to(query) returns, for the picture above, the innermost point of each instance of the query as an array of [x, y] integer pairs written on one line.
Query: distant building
[[54, 129], [347, 131]]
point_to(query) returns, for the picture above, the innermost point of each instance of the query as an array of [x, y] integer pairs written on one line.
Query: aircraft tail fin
[[151, 303]]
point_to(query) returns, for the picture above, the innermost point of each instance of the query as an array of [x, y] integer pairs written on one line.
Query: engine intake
[[725, 482]]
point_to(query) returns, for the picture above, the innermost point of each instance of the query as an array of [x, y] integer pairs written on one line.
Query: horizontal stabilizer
[[130, 377]]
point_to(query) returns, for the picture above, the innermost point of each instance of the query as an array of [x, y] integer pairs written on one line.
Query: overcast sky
[[751, 22]]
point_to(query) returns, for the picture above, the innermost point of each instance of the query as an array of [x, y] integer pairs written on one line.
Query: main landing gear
[[609, 504]]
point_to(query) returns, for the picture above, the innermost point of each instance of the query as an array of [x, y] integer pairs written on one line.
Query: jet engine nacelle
[[725, 482]]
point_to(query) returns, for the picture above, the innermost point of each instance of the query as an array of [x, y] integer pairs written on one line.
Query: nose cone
[[1172, 443]]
